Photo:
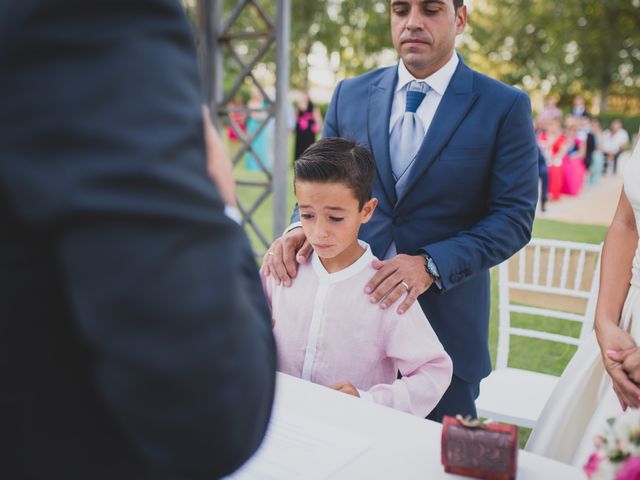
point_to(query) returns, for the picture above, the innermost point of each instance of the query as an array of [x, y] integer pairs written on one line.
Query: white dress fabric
[[584, 398]]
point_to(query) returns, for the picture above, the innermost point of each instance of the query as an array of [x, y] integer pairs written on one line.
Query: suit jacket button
[[397, 221]]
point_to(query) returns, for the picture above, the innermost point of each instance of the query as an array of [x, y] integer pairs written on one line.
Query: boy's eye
[[306, 216], [336, 219]]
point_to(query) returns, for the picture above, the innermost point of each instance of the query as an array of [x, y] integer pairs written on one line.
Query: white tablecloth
[[401, 446]]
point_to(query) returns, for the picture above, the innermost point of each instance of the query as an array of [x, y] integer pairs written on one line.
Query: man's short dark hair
[[338, 160], [457, 3]]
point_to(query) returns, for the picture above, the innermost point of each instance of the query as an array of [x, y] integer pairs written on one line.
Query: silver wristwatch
[[431, 268]]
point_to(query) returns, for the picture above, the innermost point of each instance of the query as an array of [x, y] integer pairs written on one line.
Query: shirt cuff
[[233, 213], [365, 395], [291, 227]]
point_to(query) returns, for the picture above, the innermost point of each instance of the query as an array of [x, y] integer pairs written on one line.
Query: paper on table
[[296, 447]]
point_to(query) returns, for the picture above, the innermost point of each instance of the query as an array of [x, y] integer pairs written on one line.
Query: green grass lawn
[[536, 354], [532, 354]]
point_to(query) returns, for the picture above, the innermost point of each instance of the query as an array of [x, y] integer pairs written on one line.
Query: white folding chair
[[547, 278]]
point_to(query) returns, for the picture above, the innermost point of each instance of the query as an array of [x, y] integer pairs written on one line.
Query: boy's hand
[[346, 387]]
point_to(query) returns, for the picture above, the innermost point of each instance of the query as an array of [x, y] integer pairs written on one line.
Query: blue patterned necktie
[[408, 132]]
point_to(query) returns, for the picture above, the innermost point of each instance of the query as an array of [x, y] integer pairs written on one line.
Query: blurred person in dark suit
[[135, 341]]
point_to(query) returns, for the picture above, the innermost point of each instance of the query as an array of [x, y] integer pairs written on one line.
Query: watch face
[[431, 267]]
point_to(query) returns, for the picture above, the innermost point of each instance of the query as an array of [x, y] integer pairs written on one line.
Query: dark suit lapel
[[379, 113], [456, 102]]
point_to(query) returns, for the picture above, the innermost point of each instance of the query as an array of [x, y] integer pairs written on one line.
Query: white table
[[403, 446]]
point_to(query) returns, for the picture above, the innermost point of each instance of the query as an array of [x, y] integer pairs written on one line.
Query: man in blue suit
[[456, 184], [135, 340]]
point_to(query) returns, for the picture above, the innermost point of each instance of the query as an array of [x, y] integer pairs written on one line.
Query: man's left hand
[[219, 164], [402, 274]]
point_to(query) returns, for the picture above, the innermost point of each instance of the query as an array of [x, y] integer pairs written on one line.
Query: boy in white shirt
[[327, 331]]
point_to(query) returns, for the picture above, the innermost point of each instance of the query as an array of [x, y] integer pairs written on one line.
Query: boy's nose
[[322, 231]]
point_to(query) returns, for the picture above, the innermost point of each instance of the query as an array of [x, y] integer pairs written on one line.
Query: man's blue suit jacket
[[471, 200]]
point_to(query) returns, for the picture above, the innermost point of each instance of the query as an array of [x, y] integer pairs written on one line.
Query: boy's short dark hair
[[341, 161], [457, 3]]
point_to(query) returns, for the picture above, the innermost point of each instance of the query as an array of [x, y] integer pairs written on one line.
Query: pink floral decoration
[[630, 469], [592, 464]]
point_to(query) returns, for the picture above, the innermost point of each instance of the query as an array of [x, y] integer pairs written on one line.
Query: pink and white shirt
[[327, 331]]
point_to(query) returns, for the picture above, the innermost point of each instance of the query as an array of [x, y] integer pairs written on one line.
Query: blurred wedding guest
[[579, 108], [135, 342], [573, 169], [308, 124], [259, 157], [237, 127], [552, 142], [551, 111], [615, 141], [594, 157]]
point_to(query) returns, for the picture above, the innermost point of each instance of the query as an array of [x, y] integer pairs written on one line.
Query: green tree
[[354, 30], [570, 46]]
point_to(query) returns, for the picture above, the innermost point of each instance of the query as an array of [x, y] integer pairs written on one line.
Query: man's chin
[[416, 65]]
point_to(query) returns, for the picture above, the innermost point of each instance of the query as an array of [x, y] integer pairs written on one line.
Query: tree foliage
[[355, 31], [571, 46]]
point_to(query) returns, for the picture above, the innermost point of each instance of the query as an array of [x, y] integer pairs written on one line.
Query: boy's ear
[[367, 210]]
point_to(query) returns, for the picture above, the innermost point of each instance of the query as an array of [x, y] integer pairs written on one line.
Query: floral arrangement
[[617, 454]]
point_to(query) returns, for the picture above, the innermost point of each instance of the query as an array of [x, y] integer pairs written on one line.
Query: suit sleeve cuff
[[233, 213]]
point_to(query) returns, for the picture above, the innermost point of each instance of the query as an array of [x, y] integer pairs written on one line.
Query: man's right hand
[[284, 255]]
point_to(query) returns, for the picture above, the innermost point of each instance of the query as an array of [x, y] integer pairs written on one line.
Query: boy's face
[[331, 218]]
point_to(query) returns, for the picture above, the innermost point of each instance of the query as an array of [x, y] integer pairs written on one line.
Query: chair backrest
[[548, 278]]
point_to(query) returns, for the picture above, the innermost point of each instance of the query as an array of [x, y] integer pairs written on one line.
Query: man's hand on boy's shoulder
[[346, 387], [400, 275], [282, 259]]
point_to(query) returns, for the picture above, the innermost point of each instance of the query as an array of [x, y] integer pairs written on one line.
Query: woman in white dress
[[603, 376]]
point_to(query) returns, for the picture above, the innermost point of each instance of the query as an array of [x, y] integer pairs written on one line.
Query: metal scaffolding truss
[[241, 36]]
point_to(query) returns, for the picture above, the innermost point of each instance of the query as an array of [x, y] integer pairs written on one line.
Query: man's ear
[[367, 210], [461, 19]]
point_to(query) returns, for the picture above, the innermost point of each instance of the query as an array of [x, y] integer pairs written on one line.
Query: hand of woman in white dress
[[614, 340], [630, 360]]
